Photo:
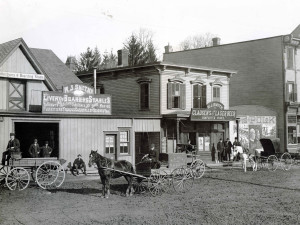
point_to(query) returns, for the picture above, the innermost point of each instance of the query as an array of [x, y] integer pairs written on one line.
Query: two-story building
[[191, 102], [265, 91]]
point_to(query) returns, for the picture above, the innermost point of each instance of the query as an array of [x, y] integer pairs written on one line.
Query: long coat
[[34, 150], [46, 151], [220, 147], [15, 144]]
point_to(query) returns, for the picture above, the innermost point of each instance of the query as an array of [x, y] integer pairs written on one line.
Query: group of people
[[224, 150], [34, 150]]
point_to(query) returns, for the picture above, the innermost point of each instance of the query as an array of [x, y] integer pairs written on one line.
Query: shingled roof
[[7, 47], [56, 70]]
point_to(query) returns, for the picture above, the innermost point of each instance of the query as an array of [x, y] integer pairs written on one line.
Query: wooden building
[[268, 76], [189, 102]]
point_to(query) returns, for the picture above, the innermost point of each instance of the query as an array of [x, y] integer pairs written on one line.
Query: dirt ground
[[222, 196]]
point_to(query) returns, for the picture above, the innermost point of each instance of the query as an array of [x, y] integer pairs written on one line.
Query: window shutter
[[203, 96], [287, 93], [169, 103], [182, 96], [295, 92]]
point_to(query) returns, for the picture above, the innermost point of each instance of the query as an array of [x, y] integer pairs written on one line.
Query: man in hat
[[46, 150], [77, 165], [34, 149], [12, 146], [152, 157]]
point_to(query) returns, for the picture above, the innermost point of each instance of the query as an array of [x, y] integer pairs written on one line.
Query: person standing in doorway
[[46, 150], [12, 146], [220, 149], [34, 149], [213, 152]]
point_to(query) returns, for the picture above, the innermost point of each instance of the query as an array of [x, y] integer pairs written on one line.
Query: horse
[[244, 154], [106, 174]]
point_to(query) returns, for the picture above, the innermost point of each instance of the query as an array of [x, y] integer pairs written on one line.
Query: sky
[[68, 27]]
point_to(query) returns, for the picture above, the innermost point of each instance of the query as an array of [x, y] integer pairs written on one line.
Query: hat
[[78, 155], [12, 134], [46, 142], [152, 146]]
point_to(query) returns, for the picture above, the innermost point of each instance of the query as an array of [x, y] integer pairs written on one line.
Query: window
[[99, 89], [124, 142], [176, 95], [216, 94], [292, 135], [199, 96], [290, 58], [110, 144], [144, 96], [291, 92], [16, 95]]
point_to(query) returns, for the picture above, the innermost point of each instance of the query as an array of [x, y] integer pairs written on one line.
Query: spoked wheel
[[198, 168], [139, 186], [182, 179], [17, 179], [272, 163], [4, 170], [50, 175], [158, 182], [286, 161]]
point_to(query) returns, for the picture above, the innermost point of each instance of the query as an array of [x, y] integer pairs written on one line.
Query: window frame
[[290, 63], [202, 98], [291, 96], [127, 141], [218, 91], [172, 96], [143, 96]]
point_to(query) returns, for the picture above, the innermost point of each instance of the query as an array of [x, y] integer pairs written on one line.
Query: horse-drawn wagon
[[46, 172]]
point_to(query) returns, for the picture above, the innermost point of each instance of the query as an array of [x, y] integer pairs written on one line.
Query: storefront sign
[[22, 76], [212, 115], [76, 99], [215, 105]]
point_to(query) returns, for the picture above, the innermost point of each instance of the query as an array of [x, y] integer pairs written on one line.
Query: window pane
[[144, 96], [292, 135]]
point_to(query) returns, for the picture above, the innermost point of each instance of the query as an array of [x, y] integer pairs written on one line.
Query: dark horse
[[106, 174]]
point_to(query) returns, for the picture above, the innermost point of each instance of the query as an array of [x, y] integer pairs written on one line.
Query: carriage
[[46, 172]]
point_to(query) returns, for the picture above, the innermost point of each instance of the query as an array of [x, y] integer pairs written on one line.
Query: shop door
[[203, 142], [215, 137], [111, 146]]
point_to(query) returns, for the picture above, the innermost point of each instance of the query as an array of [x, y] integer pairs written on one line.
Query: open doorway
[[26, 132]]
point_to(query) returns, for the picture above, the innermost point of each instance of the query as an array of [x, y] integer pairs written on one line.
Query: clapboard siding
[[3, 94], [18, 63]]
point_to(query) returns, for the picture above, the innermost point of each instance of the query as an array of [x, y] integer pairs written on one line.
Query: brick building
[[268, 74]]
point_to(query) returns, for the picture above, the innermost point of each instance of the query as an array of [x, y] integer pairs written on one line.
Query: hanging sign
[[212, 115], [76, 99]]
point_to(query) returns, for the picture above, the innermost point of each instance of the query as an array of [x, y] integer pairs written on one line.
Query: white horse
[[245, 156]]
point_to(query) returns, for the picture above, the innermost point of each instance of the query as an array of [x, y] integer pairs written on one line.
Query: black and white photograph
[[133, 112]]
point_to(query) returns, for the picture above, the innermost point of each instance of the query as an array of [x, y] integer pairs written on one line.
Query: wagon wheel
[[139, 186], [157, 182], [286, 161], [17, 179], [182, 179], [50, 174], [198, 168], [272, 163], [4, 170]]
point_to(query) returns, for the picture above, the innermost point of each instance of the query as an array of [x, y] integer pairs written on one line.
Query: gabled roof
[[56, 70], [296, 32], [7, 47]]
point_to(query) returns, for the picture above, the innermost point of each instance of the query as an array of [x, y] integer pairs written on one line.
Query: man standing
[[228, 149], [34, 149], [46, 150], [220, 149], [12, 146]]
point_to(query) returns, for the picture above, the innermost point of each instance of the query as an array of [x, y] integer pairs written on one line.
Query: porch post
[[177, 131]]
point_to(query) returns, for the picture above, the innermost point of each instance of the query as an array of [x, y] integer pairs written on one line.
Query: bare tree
[[197, 41]]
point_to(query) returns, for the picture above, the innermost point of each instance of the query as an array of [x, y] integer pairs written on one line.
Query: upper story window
[[199, 96], [16, 95], [144, 93], [291, 92], [100, 89], [176, 95], [216, 93], [290, 58]]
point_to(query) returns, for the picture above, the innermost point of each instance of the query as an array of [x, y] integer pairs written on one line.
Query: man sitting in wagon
[[152, 157], [78, 164], [12, 146]]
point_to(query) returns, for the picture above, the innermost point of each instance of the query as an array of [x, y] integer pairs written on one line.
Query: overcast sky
[[68, 27]]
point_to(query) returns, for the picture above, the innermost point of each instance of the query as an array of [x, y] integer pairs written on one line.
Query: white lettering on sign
[[22, 76]]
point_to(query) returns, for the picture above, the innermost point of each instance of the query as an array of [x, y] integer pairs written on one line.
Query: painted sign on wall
[[22, 76], [76, 99]]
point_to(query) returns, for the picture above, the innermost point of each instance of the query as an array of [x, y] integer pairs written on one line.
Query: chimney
[[123, 57], [70, 63], [168, 49], [216, 41]]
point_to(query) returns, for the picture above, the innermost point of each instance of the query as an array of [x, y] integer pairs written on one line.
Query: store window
[[176, 95], [199, 96], [290, 58], [16, 95], [110, 144], [124, 142], [292, 135], [144, 95], [216, 94]]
